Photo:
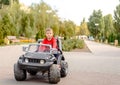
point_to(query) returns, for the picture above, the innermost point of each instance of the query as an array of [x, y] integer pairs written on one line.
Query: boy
[[50, 39]]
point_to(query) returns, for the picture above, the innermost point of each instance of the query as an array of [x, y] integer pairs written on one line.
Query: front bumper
[[35, 66]]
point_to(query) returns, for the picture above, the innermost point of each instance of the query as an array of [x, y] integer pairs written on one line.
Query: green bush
[[118, 38], [79, 44], [69, 44], [1, 41]]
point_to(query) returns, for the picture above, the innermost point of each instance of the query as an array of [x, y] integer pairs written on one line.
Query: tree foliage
[[117, 18], [109, 28], [101, 27], [117, 21], [84, 28], [32, 22], [96, 23], [67, 29]]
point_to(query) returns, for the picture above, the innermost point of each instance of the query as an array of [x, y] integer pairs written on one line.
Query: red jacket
[[51, 42]]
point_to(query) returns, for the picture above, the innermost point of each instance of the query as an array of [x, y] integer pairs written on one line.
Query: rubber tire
[[64, 68], [20, 75], [54, 74]]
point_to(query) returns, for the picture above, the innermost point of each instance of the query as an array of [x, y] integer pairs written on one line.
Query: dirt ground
[[85, 49]]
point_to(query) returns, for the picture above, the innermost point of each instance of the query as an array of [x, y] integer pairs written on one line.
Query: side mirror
[[25, 49], [40, 40]]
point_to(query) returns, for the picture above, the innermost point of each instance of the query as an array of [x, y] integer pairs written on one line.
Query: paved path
[[101, 67], [103, 49], [107, 57]]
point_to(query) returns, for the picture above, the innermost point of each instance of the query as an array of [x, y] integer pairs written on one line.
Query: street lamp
[[96, 25]]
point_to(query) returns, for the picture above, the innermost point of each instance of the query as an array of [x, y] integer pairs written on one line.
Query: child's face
[[49, 35]]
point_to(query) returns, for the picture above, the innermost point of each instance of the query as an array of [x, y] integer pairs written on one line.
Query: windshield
[[39, 48]]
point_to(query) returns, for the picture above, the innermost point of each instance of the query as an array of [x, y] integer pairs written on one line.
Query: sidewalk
[[103, 49]]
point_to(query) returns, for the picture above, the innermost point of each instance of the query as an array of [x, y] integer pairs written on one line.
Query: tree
[[55, 25], [96, 24], [6, 25], [1, 33], [6, 2], [70, 28], [67, 29], [117, 21], [117, 18], [84, 28], [61, 29], [18, 22], [44, 17], [15, 15], [27, 25], [108, 31]]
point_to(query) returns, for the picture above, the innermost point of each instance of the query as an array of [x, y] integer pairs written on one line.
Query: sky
[[76, 10]]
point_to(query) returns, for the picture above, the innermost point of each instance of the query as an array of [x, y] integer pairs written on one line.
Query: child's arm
[[54, 44]]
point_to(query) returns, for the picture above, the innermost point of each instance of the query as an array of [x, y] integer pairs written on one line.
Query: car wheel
[[54, 74], [64, 68], [19, 74]]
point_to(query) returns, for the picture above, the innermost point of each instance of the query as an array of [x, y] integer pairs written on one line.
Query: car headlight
[[26, 60], [48, 57], [42, 61]]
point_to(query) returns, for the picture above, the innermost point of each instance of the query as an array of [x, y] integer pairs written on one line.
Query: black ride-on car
[[41, 58]]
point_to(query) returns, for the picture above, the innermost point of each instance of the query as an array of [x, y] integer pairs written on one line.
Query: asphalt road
[[101, 67]]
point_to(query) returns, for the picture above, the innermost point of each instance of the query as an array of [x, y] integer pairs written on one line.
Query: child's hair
[[48, 29]]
